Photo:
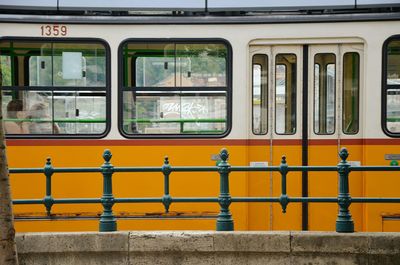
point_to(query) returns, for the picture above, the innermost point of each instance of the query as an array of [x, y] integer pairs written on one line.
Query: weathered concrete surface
[[241, 248]]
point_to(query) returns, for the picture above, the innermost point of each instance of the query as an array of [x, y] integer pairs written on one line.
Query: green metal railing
[[108, 222]]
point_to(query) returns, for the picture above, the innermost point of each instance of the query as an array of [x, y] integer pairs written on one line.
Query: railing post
[[48, 199], [108, 222], [284, 199], [224, 220], [344, 222], [166, 199]]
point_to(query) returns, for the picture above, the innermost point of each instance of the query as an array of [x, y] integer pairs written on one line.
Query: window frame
[[296, 93], [386, 87], [261, 92], [358, 92], [229, 90], [335, 92], [107, 87]]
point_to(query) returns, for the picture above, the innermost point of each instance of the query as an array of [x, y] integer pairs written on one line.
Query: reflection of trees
[[5, 71], [192, 66]]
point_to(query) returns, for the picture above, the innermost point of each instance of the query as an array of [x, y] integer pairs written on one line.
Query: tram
[[147, 79]]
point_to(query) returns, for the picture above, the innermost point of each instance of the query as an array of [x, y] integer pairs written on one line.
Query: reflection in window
[[393, 110], [392, 86], [260, 94], [175, 114], [285, 93], [393, 63], [64, 87], [5, 70], [351, 84], [324, 93], [174, 88]]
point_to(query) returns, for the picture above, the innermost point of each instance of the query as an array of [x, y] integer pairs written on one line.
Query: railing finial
[[283, 159], [48, 161], [343, 153], [107, 155], [166, 160], [224, 154]]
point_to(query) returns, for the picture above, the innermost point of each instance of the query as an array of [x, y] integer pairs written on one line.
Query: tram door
[[302, 95], [335, 91]]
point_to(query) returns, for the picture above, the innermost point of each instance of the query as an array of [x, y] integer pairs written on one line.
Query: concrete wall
[[174, 248]]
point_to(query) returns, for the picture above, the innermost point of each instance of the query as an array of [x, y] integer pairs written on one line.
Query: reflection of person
[[15, 111], [41, 121]]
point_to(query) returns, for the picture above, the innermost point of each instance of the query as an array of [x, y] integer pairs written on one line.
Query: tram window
[[351, 86], [393, 63], [391, 87], [260, 94], [5, 70], [62, 88], [285, 93], [174, 88], [324, 93]]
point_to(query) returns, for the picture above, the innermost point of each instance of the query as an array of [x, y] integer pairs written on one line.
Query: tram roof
[[192, 5]]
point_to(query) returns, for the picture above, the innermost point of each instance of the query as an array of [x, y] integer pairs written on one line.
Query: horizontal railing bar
[[177, 200], [192, 199], [375, 168], [312, 168], [254, 169], [159, 169], [313, 199], [290, 199], [76, 218], [255, 199], [25, 170], [137, 169], [195, 169], [28, 201], [55, 170], [374, 200], [76, 200], [202, 169], [209, 199], [136, 200], [77, 170]]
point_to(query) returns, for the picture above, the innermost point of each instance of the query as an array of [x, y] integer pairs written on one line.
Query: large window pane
[[351, 84], [161, 113], [393, 63], [285, 93], [260, 94], [174, 88], [393, 110], [149, 65], [64, 88], [324, 93], [391, 88], [80, 112], [201, 65], [5, 70]]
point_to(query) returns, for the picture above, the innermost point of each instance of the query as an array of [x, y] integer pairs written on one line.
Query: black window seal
[[107, 87], [261, 92], [228, 89], [358, 94], [335, 90], [295, 92], [385, 87]]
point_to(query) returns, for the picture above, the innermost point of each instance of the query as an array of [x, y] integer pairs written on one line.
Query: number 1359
[[53, 30]]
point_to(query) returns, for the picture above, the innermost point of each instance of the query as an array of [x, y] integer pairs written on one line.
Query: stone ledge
[[171, 241], [352, 243], [208, 247], [72, 242], [277, 241]]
